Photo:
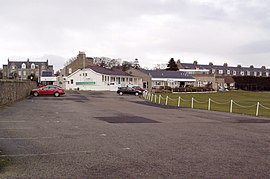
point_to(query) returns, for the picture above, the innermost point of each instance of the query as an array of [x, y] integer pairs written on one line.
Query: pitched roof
[[108, 71], [167, 74]]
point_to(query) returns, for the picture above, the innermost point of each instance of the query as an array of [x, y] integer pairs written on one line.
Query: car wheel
[[120, 93], [56, 94], [136, 94], [35, 93]]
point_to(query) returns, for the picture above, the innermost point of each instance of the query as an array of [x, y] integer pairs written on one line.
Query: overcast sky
[[218, 31]]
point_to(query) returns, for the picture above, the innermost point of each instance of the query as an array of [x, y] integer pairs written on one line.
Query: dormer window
[[13, 67], [33, 66], [242, 73], [23, 66]]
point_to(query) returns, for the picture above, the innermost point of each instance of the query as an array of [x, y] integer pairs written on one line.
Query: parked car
[[138, 88], [128, 90], [48, 90]]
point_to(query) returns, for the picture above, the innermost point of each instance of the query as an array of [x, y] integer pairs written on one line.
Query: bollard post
[[209, 104], [166, 102], [155, 98], [179, 101], [192, 102], [159, 99], [152, 97], [257, 110], [231, 109]]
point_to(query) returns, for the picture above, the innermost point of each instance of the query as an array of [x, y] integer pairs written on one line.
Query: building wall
[[145, 77], [79, 63], [12, 91], [202, 80], [97, 81], [14, 70]]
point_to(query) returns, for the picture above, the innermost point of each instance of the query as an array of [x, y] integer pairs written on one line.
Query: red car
[[48, 90], [138, 88]]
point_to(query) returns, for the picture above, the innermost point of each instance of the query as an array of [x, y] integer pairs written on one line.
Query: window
[[242, 73], [19, 73], [228, 72], [131, 80], [69, 70], [71, 81], [248, 73], [13, 67], [158, 83], [266, 73], [33, 66], [85, 74], [23, 66], [102, 78], [234, 72], [220, 72], [255, 73], [260, 73], [213, 71], [123, 79], [24, 73]]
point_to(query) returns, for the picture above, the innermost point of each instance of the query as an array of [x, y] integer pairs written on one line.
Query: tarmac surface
[[103, 135]]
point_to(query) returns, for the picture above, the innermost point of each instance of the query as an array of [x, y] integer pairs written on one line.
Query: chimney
[[263, 67], [239, 66], [225, 64], [251, 66], [210, 64], [195, 62]]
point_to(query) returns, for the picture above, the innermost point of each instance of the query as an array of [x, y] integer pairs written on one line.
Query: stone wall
[[12, 91]]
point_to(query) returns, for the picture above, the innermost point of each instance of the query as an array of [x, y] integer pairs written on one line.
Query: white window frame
[[69, 70], [24, 73], [213, 71], [255, 73], [242, 73], [20, 73], [267, 73], [234, 72], [220, 72], [228, 72], [260, 73], [248, 73], [33, 66], [23, 66]]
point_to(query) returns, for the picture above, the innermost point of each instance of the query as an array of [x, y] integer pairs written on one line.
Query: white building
[[99, 79]]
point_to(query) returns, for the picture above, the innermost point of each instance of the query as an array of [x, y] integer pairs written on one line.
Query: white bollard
[[155, 98], [209, 104], [179, 101], [166, 102], [152, 96], [231, 109], [192, 102], [257, 110], [159, 98]]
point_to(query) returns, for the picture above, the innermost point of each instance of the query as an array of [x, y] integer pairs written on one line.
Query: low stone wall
[[11, 91]]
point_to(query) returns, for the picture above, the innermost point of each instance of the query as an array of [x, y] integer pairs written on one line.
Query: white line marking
[[103, 135], [46, 154], [126, 148]]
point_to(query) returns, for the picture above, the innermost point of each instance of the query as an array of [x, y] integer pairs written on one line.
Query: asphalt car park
[[104, 135]]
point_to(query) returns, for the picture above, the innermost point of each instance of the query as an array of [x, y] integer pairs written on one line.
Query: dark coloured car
[[48, 90], [138, 88], [128, 90]]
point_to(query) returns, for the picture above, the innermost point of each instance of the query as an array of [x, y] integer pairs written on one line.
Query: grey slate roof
[[18, 64], [108, 71], [167, 74], [221, 67]]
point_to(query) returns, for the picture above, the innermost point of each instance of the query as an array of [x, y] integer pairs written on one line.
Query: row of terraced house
[[83, 74]]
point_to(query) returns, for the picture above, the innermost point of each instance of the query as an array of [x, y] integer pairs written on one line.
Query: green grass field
[[245, 102]]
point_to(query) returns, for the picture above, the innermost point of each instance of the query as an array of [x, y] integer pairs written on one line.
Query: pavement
[[102, 135]]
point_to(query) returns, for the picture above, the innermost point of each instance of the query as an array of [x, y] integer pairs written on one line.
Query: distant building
[[80, 62], [23, 69], [220, 76], [98, 78], [156, 78]]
